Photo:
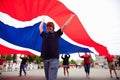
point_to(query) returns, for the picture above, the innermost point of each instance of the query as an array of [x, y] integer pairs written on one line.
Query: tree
[[9, 57], [35, 59], [72, 61], [91, 60], [39, 59]]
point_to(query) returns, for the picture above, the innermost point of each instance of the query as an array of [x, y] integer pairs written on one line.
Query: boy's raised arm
[[41, 25], [67, 22]]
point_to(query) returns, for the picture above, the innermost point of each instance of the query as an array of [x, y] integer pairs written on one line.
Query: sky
[[101, 19]]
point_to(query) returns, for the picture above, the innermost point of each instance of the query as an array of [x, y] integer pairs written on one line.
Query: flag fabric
[[19, 32]]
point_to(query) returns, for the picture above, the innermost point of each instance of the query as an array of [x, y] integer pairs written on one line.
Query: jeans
[[51, 68], [87, 68], [22, 67]]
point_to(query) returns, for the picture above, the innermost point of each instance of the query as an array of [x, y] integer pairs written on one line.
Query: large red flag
[[26, 10]]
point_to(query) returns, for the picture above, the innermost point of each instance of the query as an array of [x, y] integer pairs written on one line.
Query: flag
[[19, 30]]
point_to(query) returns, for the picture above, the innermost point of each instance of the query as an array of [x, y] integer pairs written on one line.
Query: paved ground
[[75, 74]]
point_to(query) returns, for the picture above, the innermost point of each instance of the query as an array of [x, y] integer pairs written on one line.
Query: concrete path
[[74, 74]]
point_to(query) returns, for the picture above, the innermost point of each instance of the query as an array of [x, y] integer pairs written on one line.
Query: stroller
[[1, 65]]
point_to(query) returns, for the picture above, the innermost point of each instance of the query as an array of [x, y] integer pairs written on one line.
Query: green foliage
[[60, 62], [82, 62], [31, 58], [9, 57], [35, 59], [39, 59], [91, 60], [72, 61]]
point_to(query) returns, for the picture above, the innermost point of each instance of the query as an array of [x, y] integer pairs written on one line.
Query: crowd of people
[[111, 64], [15, 66]]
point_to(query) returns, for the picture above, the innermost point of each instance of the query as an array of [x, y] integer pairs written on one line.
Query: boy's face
[[49, 28]]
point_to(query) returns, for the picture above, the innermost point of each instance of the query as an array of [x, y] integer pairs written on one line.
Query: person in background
[[2, 60], [87, 62], [50, 48], [118, 62], [22, 64], [66, 64], [111, 65]]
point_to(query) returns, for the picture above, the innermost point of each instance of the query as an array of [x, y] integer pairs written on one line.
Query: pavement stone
[[74, 74]]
